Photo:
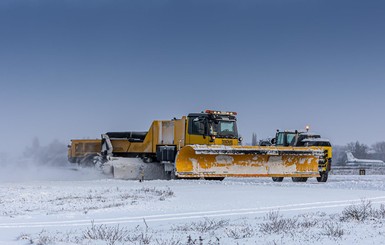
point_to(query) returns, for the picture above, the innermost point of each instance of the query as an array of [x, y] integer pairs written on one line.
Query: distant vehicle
[[354, 161], [298, 138]]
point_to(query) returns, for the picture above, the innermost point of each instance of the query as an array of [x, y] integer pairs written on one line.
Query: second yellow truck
[[298, 138]]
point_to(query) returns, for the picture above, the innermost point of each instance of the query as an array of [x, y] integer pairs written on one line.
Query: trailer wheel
[[299, 179], [277, 179], [72, 159], [323, 177], [88, 161]]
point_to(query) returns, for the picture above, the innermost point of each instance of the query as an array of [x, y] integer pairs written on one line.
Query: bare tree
[[379, 149], [53, 154], [339, 154], [254, 139], [359, 150]]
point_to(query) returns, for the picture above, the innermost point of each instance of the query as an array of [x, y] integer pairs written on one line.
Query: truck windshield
[[222, 128], [281, 138]]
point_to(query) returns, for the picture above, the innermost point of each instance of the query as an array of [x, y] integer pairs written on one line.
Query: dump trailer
[[202, 145], [298, 138]]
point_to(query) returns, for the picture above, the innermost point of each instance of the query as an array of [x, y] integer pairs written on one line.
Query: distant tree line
[[359, 150]]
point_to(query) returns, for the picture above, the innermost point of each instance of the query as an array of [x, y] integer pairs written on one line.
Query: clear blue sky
[[75, 69]]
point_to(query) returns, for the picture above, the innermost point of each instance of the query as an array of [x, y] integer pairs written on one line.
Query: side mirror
[[240, 139], [273, 140]]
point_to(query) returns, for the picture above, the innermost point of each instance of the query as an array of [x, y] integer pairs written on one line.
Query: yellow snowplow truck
[[202, 145], [297, 138]]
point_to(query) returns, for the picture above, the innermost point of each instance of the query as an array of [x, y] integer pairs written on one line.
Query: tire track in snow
[[193, 215]]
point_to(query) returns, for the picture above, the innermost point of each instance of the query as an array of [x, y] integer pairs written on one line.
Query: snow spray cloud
[[43, 163], [53, 154]]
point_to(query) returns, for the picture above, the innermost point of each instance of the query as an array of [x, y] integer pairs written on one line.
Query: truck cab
[[212, 128], [299, 138]]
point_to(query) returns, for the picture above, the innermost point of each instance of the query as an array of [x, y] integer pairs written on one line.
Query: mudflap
[[202, 161]]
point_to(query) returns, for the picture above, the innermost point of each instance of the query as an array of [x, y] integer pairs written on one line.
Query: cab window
[[290, 139], [227, 128], [280, 139], [197, 126]]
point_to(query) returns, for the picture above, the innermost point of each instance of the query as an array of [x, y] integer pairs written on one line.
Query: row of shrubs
[[206, 230]]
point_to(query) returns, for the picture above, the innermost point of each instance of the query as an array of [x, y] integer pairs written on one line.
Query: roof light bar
[[232, 113]]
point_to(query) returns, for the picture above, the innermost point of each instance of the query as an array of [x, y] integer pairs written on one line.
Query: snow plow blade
[[217, 161]]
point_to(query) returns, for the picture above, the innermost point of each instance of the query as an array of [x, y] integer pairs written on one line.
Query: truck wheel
[[277, 179], [171, 175], [323, 177], [299, 179], [214, 178], [147, 159]]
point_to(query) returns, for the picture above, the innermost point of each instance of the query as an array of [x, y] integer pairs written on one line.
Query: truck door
[[197, 132]]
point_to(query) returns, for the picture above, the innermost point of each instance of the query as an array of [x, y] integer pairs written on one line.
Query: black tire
[[214, 178], [88, 161], [277, 179], [299, 179], [147, 159], [72, 159], [171, 175], [324, 177]]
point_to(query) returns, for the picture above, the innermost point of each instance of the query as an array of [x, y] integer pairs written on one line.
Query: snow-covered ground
[[93, 209]]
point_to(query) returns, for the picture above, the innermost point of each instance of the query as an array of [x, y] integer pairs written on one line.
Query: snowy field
[[84, 207]]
